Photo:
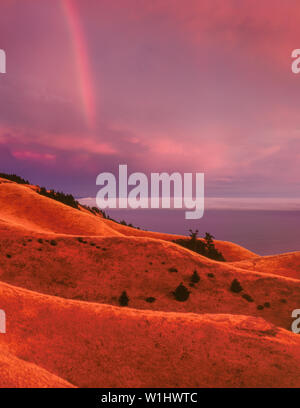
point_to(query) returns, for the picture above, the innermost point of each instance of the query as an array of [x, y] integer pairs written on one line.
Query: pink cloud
[[28, 155]]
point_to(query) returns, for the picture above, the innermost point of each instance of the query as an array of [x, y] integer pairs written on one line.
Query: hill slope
[[23, 208], [283, 264], [62, 271], [93, 345], [100, 269], [16, 373]]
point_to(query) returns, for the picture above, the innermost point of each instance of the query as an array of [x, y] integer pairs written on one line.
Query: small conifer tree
[[124, 299]]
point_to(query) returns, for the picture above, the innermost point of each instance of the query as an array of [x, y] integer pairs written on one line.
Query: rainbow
[[82, 60]]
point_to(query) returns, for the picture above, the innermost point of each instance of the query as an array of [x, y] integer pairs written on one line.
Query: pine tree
[[124, 299]]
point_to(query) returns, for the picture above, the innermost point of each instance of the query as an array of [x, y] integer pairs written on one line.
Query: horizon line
[[226, 203]]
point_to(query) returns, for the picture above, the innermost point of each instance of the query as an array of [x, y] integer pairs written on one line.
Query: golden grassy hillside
[[99, 269], [62, 271], [284, 264], [92, 345]]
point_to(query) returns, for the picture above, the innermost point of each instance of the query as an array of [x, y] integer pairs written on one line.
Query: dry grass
[[65, 271]]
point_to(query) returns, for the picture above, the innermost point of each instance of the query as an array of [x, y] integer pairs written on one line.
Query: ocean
[[264, 232]]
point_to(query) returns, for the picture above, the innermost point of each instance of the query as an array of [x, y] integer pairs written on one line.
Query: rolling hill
[[63, 270]]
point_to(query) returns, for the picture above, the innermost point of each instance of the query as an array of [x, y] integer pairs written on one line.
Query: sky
[[159, 85]]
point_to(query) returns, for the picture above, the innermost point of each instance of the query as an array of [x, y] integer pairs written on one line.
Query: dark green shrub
[[67, 199], [124, 299], [150, 299], [125, 223], [181, 293], [236, 286], [195, 278], [14, 177], [205, 247], [247, 297]]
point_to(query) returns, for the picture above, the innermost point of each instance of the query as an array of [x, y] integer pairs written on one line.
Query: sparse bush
[[181, 293], [125, 223], [172, 270], [247, 297], [124, 299], [236, 286], [94, 210], [260, 307], [210, 275], [8, 256], [40, 241], [267, 304], [195, 277], [150, 299], [53, 242], [81, 240]]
